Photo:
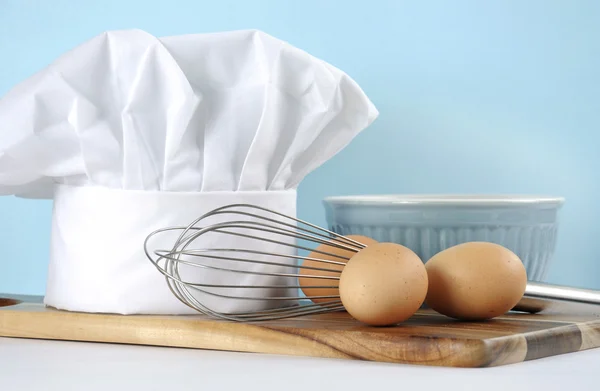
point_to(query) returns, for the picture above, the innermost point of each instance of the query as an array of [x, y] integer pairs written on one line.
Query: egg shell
[[306, 282], [383, 284], [475, 281]]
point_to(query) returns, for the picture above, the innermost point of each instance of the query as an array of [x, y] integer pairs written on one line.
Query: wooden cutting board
[[426, 339]]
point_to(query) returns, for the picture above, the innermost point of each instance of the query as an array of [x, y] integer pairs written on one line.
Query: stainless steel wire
[[255, 223]]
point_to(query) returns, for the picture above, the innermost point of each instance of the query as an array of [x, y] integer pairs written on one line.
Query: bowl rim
[[445, 199]]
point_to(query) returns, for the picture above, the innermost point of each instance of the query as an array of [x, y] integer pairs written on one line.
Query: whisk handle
[[539, 296]]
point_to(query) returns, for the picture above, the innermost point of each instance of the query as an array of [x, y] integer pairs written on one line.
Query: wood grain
[[427, 338]]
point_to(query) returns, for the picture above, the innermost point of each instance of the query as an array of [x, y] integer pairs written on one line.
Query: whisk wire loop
[[267, 252]]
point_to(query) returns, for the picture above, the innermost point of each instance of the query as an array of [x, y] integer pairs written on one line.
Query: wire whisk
[[247, 265]]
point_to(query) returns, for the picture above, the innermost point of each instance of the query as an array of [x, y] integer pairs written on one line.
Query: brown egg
[[383, 284], [306, 282], [475, 281]]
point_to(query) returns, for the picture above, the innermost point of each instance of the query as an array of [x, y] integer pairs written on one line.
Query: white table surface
[[57, 365]]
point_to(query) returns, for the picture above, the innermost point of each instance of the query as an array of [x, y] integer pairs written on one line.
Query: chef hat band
[[97, 259]]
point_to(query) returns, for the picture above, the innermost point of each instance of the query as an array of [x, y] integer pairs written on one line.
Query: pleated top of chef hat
[[129, 133]]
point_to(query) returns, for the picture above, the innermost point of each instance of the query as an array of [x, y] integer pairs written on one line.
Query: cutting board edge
[[583, 336], [341, 355], [284, 340], [297, 341]]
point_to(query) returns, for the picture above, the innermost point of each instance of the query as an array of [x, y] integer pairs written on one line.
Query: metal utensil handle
[[539, 297], [562, 293]]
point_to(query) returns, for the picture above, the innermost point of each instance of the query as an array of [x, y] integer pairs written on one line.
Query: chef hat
[[129, 133]]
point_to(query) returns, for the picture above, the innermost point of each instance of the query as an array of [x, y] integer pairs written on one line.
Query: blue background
[[474, 97]]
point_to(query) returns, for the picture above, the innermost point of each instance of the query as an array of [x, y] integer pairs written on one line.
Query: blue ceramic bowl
[[428, 224]]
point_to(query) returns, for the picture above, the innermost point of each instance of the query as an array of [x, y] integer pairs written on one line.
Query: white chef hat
[[129, 133]]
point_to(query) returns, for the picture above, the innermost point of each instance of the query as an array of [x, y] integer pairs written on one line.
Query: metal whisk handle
[[540, 296]]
